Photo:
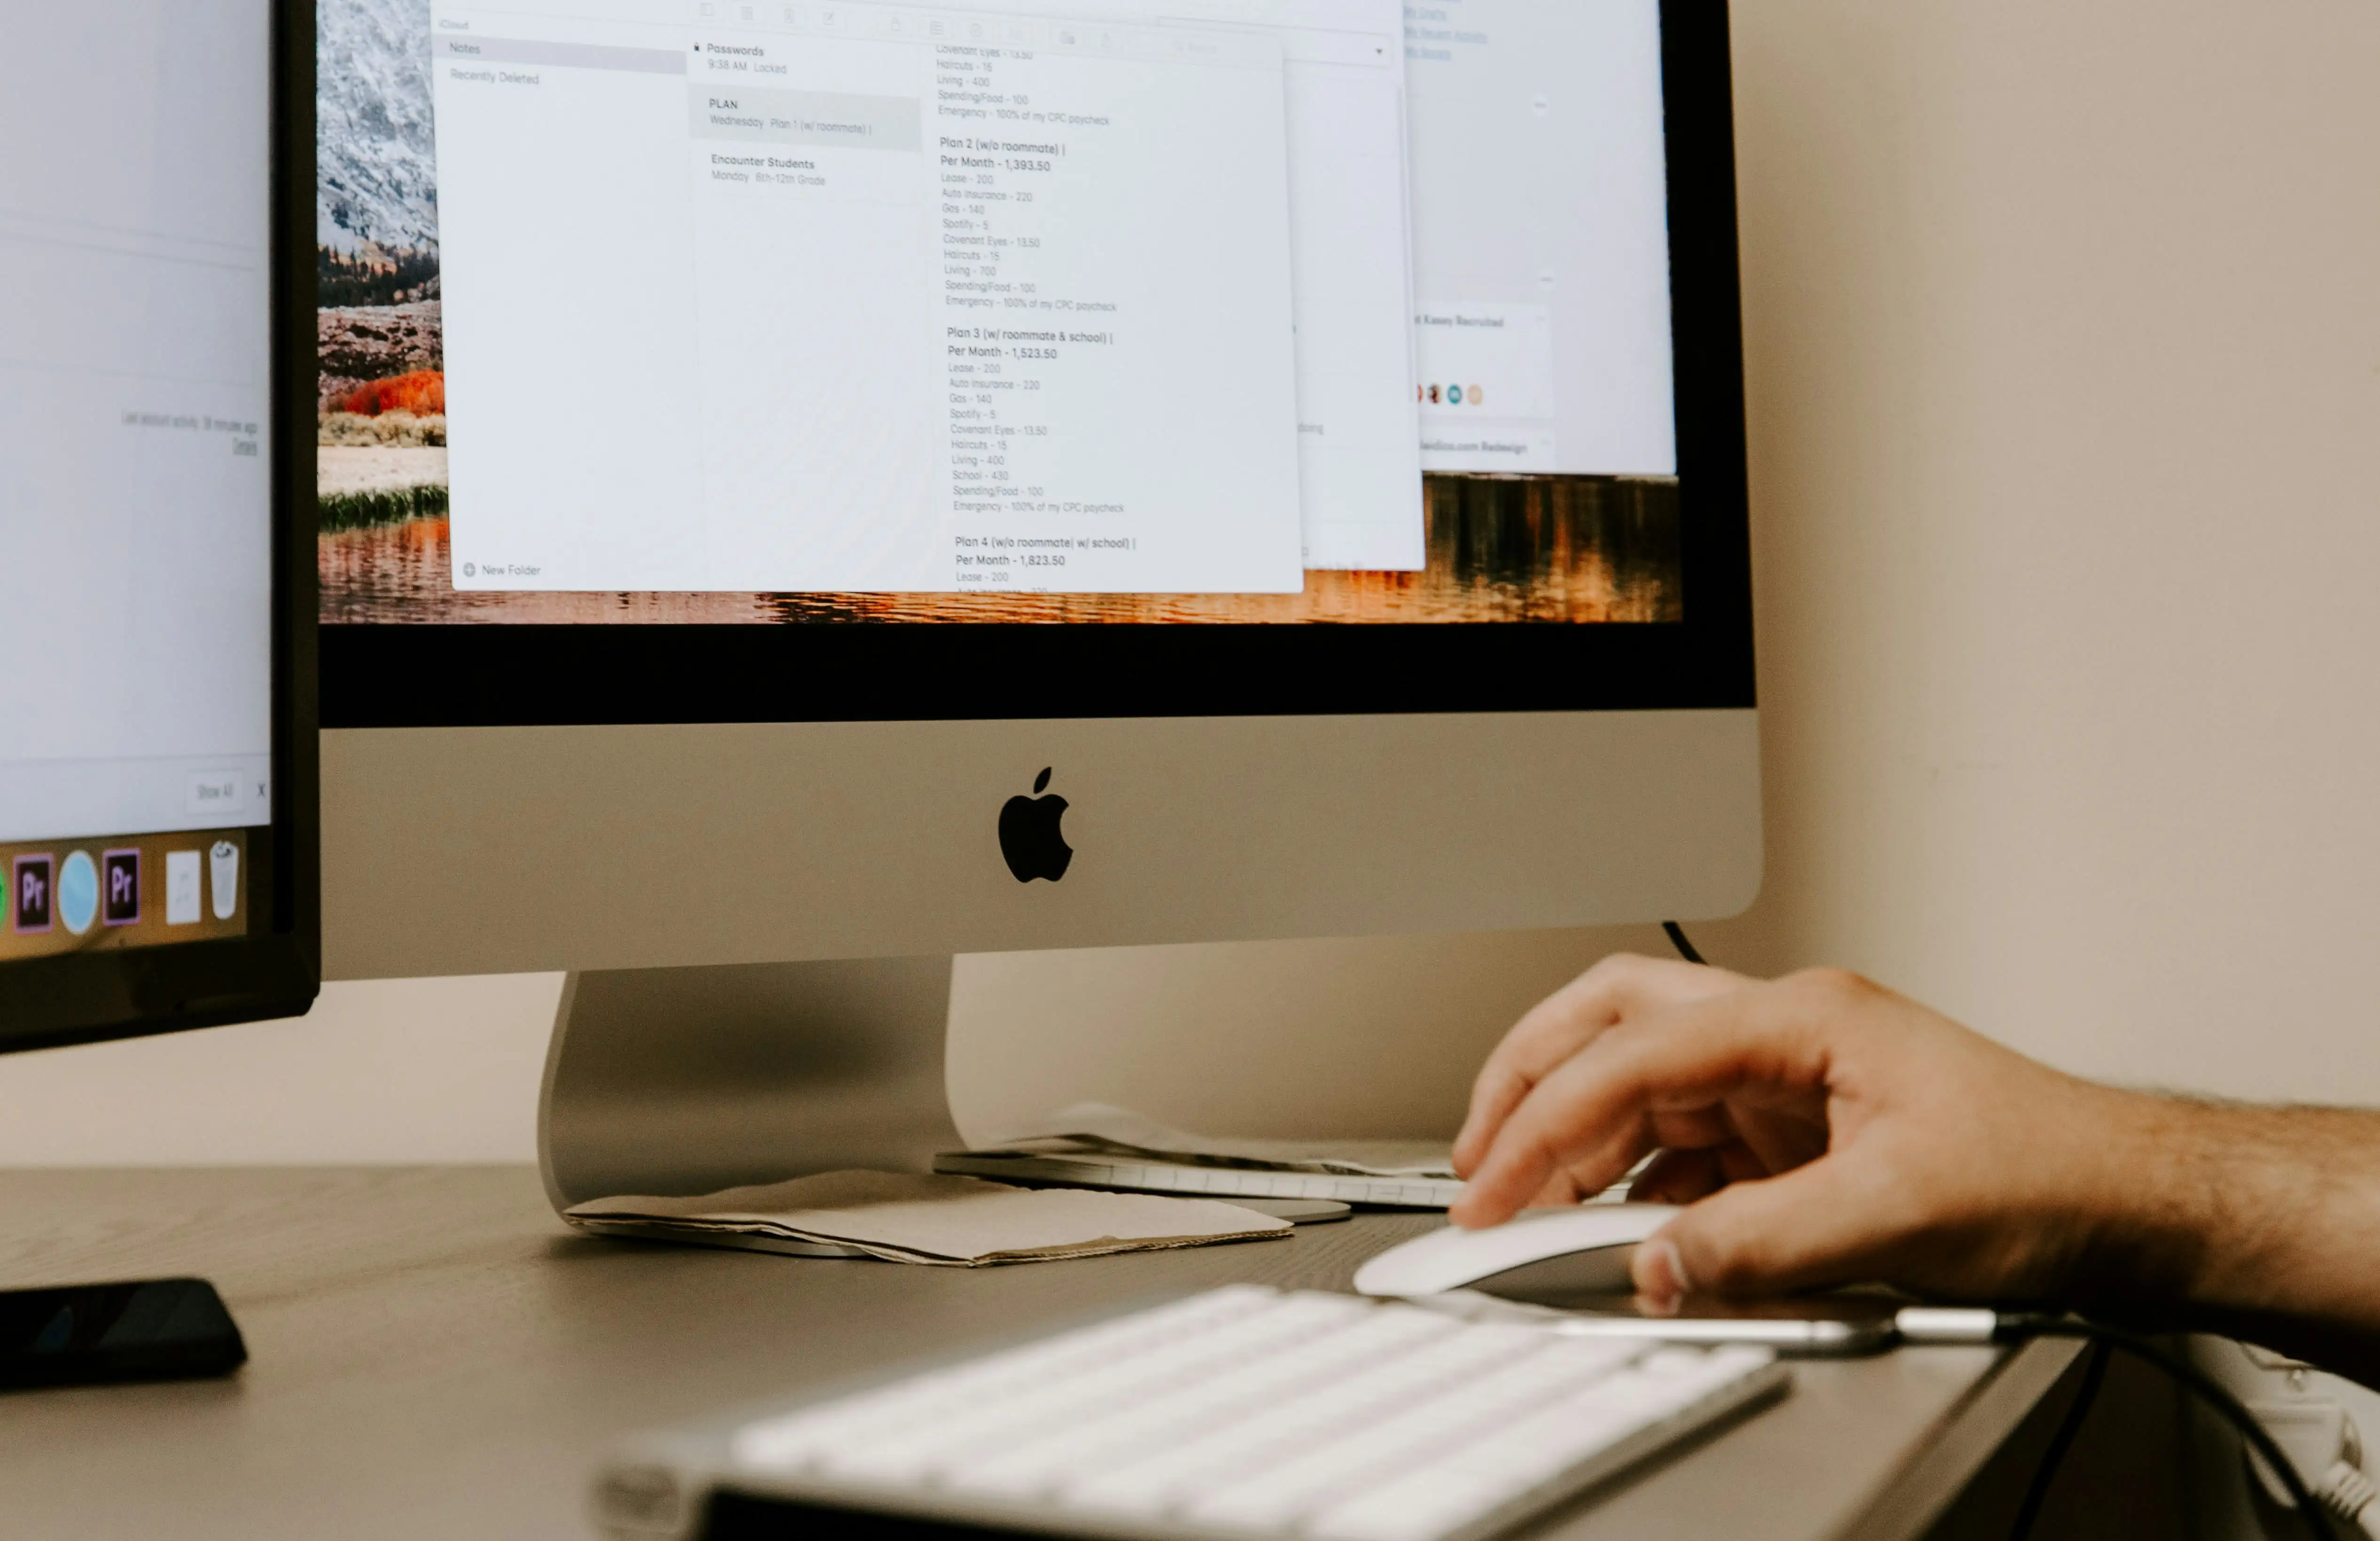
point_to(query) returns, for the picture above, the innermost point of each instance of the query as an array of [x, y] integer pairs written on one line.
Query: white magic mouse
[[1576, 1249]]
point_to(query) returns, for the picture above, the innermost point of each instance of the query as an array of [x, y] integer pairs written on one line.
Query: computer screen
[[137, 728], [1087, 311], [756, 440]]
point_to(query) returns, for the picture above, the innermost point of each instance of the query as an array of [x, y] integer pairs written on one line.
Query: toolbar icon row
[[45, 893]]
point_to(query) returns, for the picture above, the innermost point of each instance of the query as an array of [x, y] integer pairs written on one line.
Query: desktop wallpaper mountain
[[381, 393], [376, 149], [1501, 549]]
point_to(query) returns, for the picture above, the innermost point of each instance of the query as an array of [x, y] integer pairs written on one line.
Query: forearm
[[2264, 1212]]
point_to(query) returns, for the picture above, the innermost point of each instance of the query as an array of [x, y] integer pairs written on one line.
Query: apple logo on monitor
[[1029, 836]]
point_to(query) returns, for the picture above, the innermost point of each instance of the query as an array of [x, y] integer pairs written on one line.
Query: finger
[[1678, 1177], [1593, 1169], [1622, 1152], [1703, 1150], [1817, 1225], [1781, 1137], [1694, 1128], [1625, 1152], [1621, 985], [1557, 1193], [1742, 1162], [1687, 1059]]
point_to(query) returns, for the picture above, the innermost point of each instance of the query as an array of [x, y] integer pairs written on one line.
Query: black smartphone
[[86, 1334]]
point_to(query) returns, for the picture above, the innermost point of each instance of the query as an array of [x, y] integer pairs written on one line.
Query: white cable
[[1946, 1324]]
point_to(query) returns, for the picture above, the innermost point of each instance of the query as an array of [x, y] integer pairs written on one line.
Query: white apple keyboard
[[1242, 1413]]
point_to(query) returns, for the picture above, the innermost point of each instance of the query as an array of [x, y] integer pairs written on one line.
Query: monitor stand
[[676, 1081]]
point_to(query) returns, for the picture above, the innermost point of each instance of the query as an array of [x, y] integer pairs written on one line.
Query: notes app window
[[873, 297]]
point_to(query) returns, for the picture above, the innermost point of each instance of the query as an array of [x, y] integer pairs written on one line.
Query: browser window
[[1541, 246]]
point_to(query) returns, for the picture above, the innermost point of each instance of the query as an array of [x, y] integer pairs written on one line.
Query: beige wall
[[2064, 346], [2063, 327], [415, 1070]]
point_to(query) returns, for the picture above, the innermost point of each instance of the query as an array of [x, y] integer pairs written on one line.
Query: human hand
[[1823, 1131]]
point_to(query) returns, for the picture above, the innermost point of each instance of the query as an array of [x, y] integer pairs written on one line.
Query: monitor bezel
[[276, 971], [501, 675]]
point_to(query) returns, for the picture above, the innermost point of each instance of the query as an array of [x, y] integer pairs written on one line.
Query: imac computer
[[809, 488]]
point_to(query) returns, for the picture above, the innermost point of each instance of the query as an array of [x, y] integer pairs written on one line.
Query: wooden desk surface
[[433, 1354]]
